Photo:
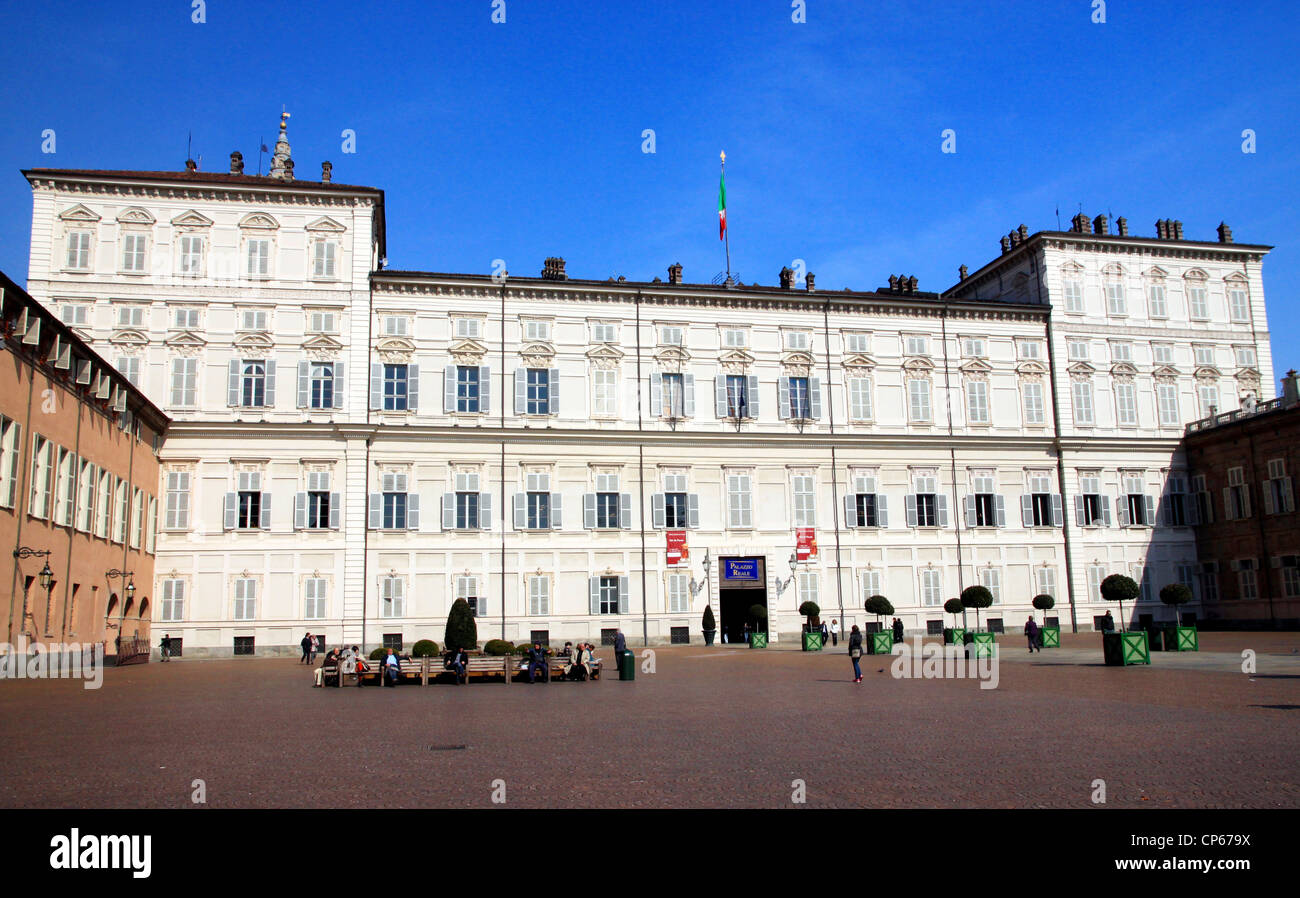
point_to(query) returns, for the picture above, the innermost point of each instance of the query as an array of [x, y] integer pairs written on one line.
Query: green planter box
[[880, 643], [758, 640], [983, 644], [1125, 648], [1051, 637], [812, 642], [954, 635], [1185, 640]]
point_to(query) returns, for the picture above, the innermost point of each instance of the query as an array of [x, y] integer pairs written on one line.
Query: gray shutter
[[850, 510], [688, 395], [265, 512], [335, 510], [556, 523], [521, 511], [1121, 510], [1058, 516], [338, 385], [882, 510], [751, 395], [376, 511], [589, 511], [553, 392], [304, 384], [1193, 509], [448, 511], [482, 610], [521, 390], [413, 387], [692, 510], [232, 383], [593, 594], [720, 395], [485, 511], [1027, 510], [657, 516], [1078, 510], [270, 384], [815, 397], [299, 511], [231, 511], [1105, 513], [484, 389], [622, 595], [970, 511], [656, 394], [783, 398], [449, 389], [941, 503], [625, 510], [412, 511], [376, 387], [909, 506], [1227, 504], [1000, 510], [1150, 510]]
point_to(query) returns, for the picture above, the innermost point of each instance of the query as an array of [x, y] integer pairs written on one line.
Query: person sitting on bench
[[579, 667], [536, 662], [331, 660], [392, 669], [456, 661]]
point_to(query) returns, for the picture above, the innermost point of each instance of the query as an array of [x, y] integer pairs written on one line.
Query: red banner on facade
[[806, 543], [677, 551]]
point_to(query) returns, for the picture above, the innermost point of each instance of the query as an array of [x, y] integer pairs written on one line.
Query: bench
[[427, 670], [556, 665]]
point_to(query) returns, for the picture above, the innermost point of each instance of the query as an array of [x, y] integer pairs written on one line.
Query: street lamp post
[[46, 580], [114, 574]]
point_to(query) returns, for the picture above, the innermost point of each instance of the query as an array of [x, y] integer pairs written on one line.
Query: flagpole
[[726, 234]]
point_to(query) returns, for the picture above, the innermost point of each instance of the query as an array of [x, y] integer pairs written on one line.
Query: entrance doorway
[[742, 584]]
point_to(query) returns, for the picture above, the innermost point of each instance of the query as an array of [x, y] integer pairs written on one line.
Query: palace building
[[353, 448]]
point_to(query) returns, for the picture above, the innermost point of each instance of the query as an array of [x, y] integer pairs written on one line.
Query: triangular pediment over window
[[605, 353], [975, 366], [326, 224], [1155, 271], [468, 347], [736, 357], [1165, 371], [78, 213], [192, 219], [1250, 374], [186, 338], [1082, 368], [859, 360], [322, 343]]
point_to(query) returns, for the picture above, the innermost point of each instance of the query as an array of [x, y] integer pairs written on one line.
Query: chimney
[[1023, 232], [911, 284], [326, 172], [1290, 388], [787, 278], [191, 165], [675, 273], [808, 282], [1079, 224], [288, 169], [554, 270], [1006, 245], [1122, 224], [1178, 230], [1101, 225], [1225, 233], [1015, 239], [962, 273], [1162, 229], [893, 280], [236, 163]]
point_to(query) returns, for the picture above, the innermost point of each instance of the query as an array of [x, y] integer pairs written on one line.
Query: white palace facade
[[355, 448]]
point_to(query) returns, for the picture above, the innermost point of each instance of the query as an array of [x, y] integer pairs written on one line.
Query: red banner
[[806, 543], [677, 551]]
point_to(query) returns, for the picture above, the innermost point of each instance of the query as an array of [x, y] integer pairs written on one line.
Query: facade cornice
[[83, 185]]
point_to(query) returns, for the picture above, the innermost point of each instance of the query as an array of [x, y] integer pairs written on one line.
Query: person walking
[[1031, 630], [307, 643], [165, 647], [898, 630], [835, 632], [745, 632], [855, 652], [826, 635]]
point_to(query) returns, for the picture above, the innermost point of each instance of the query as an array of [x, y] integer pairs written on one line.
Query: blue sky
[[524, 139]]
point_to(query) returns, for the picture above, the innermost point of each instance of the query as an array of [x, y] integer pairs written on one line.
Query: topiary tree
[[462, 629], [880, 607], [954, 607], [1175, 594], [759, 614], [424, 648], [1117, 588], [709, 622], [976, 597], [810, 610], [1044, 603]]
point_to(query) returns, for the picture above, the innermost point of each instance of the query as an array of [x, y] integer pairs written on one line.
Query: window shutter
[[882, 510], [657, 517], [376, 511], [815, 396], [555, 511], [1268, 498], [299, 511], [521, 390], [692, 510], [412, 511], [1000, 510], [1193, 509], [485, 511], [448, 511], [270, 384], [521, 511], [338, 384], [304, 384], [593, 593], [589, 511], [376, 387], [1288, 499], [265, 512], [1027, 510], [1121, 510], [1227, 504], [413, 387], [1078, 510], [720, 396], [482, 609], [232, 383], [909, 505], [850, 510], [625, 510], [1245, 501], [751, 395], [1150, 517], [783, 398], [1105, 513], [941, 503], [622, 595], [335, 510], [449, 389], [484, 389], [656, 394], [970, 511], [231, 516], [1058, 516], [553, 392]]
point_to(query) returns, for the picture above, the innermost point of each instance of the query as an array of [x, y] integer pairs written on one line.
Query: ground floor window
[[680, 636], [607, 636], [393, 641], [934, 627], [541, 637], [243, 645]]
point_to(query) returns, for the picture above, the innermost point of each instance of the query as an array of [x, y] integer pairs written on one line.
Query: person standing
[[1031, 630], [745, 633], [855, 652], [307, 643], [620, 648], [1107, 623], [898, 630], [835, 632], [826, 636], [165, 647]]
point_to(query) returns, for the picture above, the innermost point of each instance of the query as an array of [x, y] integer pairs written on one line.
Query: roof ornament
[[281, 164]]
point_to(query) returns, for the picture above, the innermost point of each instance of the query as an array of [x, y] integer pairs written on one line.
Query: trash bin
[[627, 666]]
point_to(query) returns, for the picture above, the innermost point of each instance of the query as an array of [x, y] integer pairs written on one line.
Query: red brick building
[[78, 485], [1242, 501]]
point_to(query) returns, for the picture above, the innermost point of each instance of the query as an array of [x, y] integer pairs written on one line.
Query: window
[[396, 387], [991, 579], [323, 256], [1278, 497], [1245, 356], [85, 496], [1137, 509], [1175, 501], [1204, 507], [394, 501], [130, 316], [931, 587], [1204, 355], [863, 506], [65, 489], [249, 496], [1096, 573], [1167, 403], [1073, 296], [857, 344], [1246, 579], [10, 451], [467, 500], [320, 385], [184, 376], [1031, 349], [42, 477], [137, 519], [739, 503], [1081, 392], [797, 341], [974, 347], [739, 402], [1236, 496], [604, 385], [467, 589], [734, 338], [537, 500], [977, 401], [1121, 352], [608, 501], [984, 507], [176, 515], [672, 396], [245, 599], [918, 401], [1162, 354], [1077, 350], [317, 502], [104, 504], [259, 257], [395, 325], [313, 598], [537, 399], [539, 595], [467, 389], [191, 257], [1041, 507], [537, 331], [1208, 396], [679, 596], [926, 507], [252, 319], [79, 250], [151, 526], [185, 319], [804, 488], [676, 502], [807, 587], [608, 601], [1116, 303], [1157, 307], [1090, 509], [75, 313], [320, 322], [1238, 304], [860, 407], [392, 597], [252, 389], [797, 390], [120, 511], [1290, 577], [1209, 582], [1126, 414], [604, 332], [1045, 581], [173, 600], [1197, 301], [870, 584], [133, 245], [1035, 413], [468, 328]]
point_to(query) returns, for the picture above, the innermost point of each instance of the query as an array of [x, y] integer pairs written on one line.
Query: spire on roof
[[281, 163]]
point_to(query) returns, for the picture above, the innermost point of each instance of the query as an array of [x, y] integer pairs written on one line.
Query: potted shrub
[[462, 629], [882, 642], [1049, 637], [758, 633], [812, 637], [709, 625], [1184, 638], [954, 635], [1123, 647], [978, 597]]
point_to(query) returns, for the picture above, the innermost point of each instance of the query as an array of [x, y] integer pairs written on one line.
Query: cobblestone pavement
[[712, 727]]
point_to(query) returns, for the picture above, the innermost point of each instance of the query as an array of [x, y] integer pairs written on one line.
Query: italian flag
[[722, 206]]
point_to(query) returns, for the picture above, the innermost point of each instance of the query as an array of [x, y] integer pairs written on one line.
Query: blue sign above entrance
[[743, 569]]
